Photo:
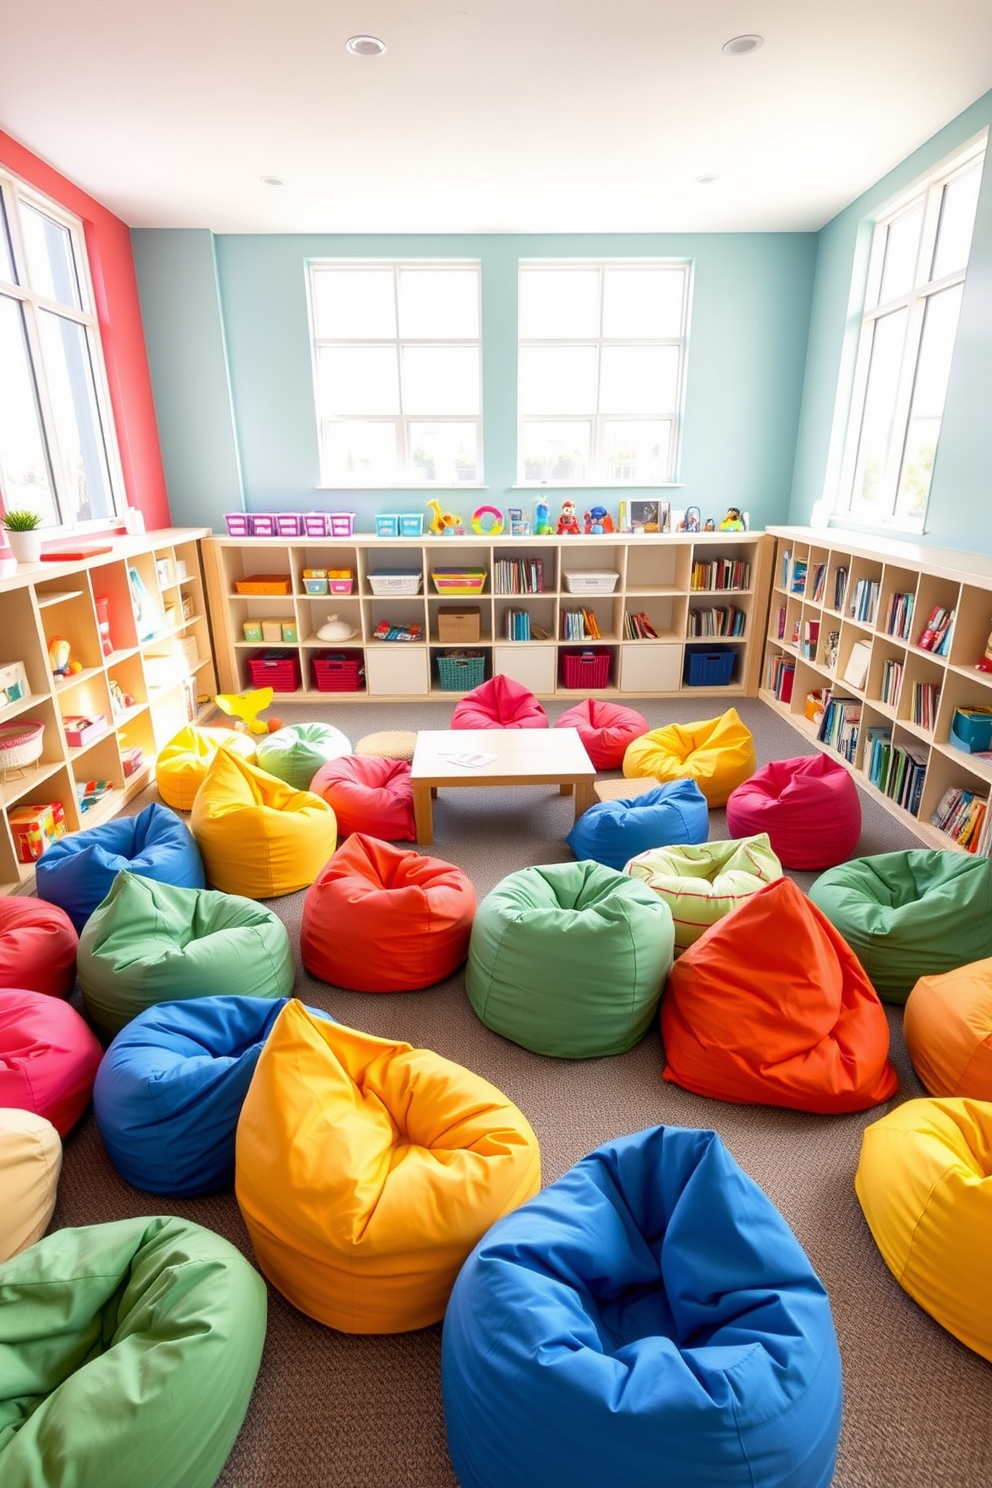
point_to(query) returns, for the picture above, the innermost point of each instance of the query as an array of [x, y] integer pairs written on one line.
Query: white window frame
[[406, 476], [927, 191], [14, 191], [676, 415]]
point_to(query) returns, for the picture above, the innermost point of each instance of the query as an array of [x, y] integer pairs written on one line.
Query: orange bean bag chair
[[38, 944], [366, 1170], [499, 703], [386, 919], [605, 729], [947, 1025], [368, 793], [182, 764], [771, 1006], [718, 754]]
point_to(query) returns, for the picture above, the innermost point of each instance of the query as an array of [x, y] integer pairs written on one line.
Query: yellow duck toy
[[245, 707]]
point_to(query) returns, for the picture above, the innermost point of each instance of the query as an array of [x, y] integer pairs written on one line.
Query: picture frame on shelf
[[650, 516]]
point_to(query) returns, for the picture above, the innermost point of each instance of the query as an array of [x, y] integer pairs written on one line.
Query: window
[[601, 371], [916, 272], [58, 453], [397, 372]]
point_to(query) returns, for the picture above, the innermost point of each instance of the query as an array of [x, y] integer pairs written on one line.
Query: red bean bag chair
[[368, 794], [772, 1006], [37, 946], [499, 703], [386, 919], [48, 1057], [809, 807], [947, 1025], [605, 730]]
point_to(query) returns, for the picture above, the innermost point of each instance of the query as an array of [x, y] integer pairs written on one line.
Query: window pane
[[639, 379], [51, 265], [6, 260], [957, 222], [555, 451], [638, 450], [437, 303], [78, 429], [354, 302], [643, 302], [933, 369], [879, 407], [559, 303], [25, 481], [359, 453], [902, 246], [444, 453], [358, 379], [557, 379], [440, 379]]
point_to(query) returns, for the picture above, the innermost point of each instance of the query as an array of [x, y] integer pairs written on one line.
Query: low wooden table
[[521, 757]]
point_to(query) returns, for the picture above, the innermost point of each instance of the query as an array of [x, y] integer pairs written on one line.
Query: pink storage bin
[[340, 524], [315, 524], [238, 524], [289, 524], [340, 586], [263, 524]]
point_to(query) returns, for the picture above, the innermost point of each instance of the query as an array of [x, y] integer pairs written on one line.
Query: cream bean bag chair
[[718, 754], [30, 1163], [703, 881], [182, 764]]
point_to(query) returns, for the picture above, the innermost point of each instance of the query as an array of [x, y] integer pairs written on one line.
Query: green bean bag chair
[[149, 942], [910, 914], [128, 1354], [569, 959], [703, 881], [295, 754]]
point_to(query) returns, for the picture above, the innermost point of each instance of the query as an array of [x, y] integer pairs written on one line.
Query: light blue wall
[[229, 349], [959, 510]]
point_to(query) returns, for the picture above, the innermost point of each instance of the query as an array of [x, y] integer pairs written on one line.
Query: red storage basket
[[279, 670], [588, 668], [339, 671]]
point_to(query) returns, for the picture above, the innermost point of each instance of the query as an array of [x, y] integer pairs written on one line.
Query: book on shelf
[[840, 586], [926, 697], [840, 725], [936, 634], [819, 582], [829, 657], [780, 628], [900, 617], [798, 581], [878, 747], [811, 638], [890, 682], [637, 627], [961, 815], [864, 601], [781, 676], [856, 670]]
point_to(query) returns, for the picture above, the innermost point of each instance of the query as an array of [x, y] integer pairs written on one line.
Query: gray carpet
[[334, 1411]]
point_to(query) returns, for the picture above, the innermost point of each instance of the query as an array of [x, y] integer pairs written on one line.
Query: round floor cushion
[[48, 1058], [368, 793], [76, 872], [259, 837], [170, 1090], [924, 1182], [701, 882], [809, 807], [182, 764], [569, 959], [613, 832], [380, 918], [366, 1170], [30, 1163], [150, 943], [500, 703], [648, 1319], [37, 945], [909, 914], [947, 1026], [605, 730], [772, 1007], [296, 753], [718, 754], [397, 744], [128, 1354]]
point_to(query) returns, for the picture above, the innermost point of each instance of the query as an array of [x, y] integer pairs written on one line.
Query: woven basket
[[461, 673], [20, 743]]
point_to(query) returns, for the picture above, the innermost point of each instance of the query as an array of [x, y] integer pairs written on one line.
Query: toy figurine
[[445, 523], [709, 525], [542, 518], [598, 520], [567, 522], [733, 521]]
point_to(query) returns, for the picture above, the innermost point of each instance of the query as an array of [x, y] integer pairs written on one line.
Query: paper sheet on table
[[470, 760]]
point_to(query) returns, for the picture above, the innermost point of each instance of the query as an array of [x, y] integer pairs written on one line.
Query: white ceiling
[[484, 115]]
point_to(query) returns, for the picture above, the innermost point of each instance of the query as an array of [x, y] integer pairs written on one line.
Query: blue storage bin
[[387, 525], [971, 729], [709, 666]]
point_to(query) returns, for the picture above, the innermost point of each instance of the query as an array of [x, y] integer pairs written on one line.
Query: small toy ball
[[274, 725], [74, 667]]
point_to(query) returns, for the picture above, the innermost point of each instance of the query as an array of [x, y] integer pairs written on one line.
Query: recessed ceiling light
[[365, 46], [273, 181], [738, 45], [706, 180]]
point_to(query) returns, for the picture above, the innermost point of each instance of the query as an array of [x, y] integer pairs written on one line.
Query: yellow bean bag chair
[[30, 1163], [182, 764], [367, 1170], [718, 754], [257, 835], [947, 1025], [703, 881], [925, 1184]]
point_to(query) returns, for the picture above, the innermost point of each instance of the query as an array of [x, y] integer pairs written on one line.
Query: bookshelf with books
[[909, 625]]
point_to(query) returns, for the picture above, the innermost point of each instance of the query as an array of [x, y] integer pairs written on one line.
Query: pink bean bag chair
[[809, 807], [386, 919], [499, 703], [368, 794], [48, 1057], [37, 946], [605, 730]]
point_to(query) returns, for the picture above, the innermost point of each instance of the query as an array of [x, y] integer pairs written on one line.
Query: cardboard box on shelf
[[458, 623], [35, 828]]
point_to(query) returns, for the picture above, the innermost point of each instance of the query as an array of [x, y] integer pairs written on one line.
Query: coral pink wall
[[115, 288]]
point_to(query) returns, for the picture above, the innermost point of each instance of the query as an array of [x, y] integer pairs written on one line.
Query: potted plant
[[21, 529]]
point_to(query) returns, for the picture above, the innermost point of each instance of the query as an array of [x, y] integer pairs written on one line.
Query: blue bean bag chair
[[613, 832], [172, 1087], [77, 872], [650, 1319]]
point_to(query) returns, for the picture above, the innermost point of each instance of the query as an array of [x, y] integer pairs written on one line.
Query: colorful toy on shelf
[[245, 707], [487, 521], [59, 656], [445, 523], [542, 518], [398, 632], [568, 522], [733, 521], [598, 520], [690, 522]]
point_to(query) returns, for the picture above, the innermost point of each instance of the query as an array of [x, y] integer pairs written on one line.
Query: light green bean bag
[[701, 882], [569, 959], [150, 942], [128, 1353], [296, 753], [910, 914]]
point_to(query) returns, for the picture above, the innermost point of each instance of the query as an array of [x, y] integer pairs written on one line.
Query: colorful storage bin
[[340, 524], [585, 669], [279, 670], [709, 666], [339, 671]]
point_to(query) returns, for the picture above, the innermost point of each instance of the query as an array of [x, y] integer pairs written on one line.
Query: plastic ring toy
[[491, 528]]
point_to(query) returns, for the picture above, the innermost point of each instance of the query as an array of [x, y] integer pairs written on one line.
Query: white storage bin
[[595, 581], [396, 581]]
